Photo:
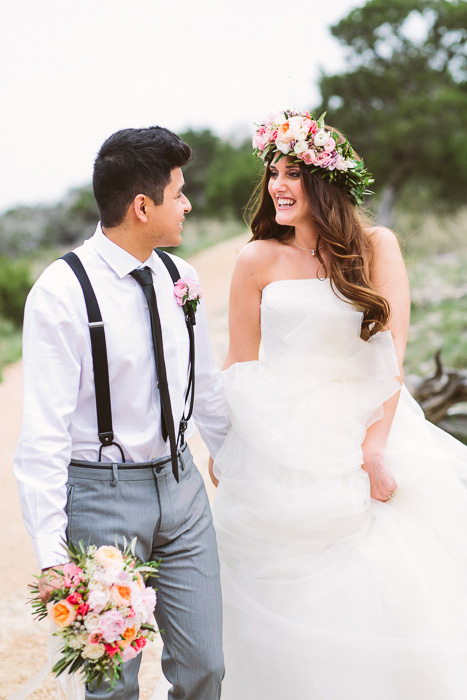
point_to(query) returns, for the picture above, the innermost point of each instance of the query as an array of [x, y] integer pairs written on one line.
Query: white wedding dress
[[329, 595]]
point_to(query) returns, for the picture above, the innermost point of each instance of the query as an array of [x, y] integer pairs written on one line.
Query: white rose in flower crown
[[320, 138], [300, 147], [283, 147], [295, 126], [340, 163], [93, 651], [350, 163]]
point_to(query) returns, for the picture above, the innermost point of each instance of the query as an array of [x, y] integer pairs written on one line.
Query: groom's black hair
[[135, 161]]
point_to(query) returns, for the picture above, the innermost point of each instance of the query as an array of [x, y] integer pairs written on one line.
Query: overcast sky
[[72, 73]]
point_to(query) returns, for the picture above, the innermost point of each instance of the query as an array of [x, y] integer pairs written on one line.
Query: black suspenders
[[99, 353]]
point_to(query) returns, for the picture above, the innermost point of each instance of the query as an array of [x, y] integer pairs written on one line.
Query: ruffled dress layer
[[329, 595]]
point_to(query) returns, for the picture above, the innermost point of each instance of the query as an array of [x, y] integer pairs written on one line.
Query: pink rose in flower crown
[[313, 127], [322, 159], [112, 625], [330, 145], [308, 156], [259, 141]]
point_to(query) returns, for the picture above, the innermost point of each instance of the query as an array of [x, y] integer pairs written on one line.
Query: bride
[[340, 514]]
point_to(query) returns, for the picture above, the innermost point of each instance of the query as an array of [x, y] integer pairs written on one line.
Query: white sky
[[72, 73]]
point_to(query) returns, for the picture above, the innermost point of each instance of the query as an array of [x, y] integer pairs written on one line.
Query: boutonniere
[[188, 295]]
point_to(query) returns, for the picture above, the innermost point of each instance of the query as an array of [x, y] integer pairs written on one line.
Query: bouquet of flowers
[[102, 610]]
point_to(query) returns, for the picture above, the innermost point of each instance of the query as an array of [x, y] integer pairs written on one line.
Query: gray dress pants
[[172, 522]]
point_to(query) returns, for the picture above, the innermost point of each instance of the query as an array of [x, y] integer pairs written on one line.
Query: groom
[[132, 479]]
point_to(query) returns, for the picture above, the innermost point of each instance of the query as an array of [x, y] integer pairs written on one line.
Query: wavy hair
[[341, 229]]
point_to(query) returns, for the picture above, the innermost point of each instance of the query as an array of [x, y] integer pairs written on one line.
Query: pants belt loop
[[114, 481]]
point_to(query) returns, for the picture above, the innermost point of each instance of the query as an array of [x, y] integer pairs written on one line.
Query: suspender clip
[[106, 438]]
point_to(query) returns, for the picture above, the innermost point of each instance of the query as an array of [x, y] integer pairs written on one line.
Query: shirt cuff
[[49, 550]]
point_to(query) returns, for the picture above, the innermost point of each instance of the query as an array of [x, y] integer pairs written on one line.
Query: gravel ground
[[23, 640]]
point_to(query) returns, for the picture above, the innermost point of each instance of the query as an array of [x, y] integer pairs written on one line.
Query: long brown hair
[[339, 228]]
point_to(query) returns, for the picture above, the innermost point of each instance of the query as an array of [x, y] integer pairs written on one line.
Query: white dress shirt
[[59, 415]]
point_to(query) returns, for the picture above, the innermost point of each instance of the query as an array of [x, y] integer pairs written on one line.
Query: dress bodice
[[306, 316]]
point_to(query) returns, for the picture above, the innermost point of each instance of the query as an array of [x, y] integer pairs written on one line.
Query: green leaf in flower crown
[[320, 120]]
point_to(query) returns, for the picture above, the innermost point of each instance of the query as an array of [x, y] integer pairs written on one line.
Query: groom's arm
[[51, 375]]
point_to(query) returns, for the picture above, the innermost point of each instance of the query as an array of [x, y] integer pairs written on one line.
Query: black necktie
[[144, 277]]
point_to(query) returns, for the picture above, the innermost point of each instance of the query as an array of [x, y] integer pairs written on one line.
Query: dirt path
[[23, 641]]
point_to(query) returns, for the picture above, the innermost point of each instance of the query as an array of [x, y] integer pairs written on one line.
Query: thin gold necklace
[[310, 250]]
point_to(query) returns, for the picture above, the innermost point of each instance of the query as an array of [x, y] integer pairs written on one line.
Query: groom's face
[[166, 219]]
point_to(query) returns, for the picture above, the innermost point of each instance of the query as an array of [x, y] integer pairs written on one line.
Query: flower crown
[[309, 140]]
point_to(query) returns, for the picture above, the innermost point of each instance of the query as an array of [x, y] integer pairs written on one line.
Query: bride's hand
[[382, 481], [211, 472]]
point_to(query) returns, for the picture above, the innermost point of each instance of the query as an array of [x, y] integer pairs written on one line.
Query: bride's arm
[[244, 313], [244, 306], [389, 277]]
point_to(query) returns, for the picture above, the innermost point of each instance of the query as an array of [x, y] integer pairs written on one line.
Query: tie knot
[[143, 276]]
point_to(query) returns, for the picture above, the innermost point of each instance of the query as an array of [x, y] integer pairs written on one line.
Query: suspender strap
[[99, 354], [190, 322]]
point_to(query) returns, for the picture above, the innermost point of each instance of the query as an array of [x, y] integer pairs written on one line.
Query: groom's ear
[[139, 207]]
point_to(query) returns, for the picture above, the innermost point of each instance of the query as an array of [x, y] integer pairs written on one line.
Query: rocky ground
[[23, 640]]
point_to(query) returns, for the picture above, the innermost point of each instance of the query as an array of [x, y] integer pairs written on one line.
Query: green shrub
[[15, 283]]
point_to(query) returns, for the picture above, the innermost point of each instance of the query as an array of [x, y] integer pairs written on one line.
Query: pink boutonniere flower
[[188, 294]]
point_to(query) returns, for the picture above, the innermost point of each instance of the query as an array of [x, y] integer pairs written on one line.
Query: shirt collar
[[120, 260]]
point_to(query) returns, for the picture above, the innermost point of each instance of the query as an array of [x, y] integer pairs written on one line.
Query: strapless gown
[[328, 594]]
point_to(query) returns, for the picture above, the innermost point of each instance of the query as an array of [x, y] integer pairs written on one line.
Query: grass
[[439, 311]]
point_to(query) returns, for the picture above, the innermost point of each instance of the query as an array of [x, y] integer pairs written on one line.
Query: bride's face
[[285, 188]]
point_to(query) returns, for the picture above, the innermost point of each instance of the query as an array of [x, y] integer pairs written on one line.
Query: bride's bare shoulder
[[256, 259], [261, 251], [382, 238]]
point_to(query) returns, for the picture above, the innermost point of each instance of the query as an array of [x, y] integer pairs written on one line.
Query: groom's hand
[[49, 581]]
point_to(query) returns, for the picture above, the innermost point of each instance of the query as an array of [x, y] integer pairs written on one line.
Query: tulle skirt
[[329, 595]]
